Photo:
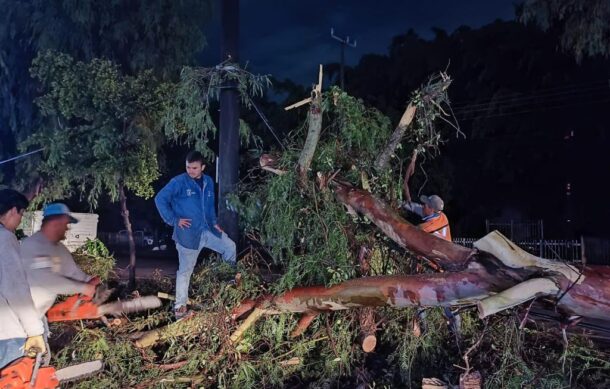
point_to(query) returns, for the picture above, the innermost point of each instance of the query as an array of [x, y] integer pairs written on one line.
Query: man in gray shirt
[[21, 327], [50, 266]]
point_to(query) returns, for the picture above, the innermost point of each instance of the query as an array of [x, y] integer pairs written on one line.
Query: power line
[[266, 121], [540, 92], [21, 156], [542, 109], [527, 99], [526, 102]]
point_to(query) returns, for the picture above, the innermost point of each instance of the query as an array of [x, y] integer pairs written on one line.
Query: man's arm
[[69, 268], [15, 288], [414, 207], [163, 201]]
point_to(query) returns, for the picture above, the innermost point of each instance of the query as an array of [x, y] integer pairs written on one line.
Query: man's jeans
[[188, 258], [10, 349]]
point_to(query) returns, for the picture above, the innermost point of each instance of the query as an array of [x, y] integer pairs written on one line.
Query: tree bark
[[384, 157], [314, 120], [448, 255], [132, 243]]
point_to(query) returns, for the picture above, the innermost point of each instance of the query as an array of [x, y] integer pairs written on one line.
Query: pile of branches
[[303, 235]]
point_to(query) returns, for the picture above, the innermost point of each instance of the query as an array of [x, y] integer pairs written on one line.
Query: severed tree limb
[[496, 279], [197, 324], [448, 255], [269, 163], [314, 129], [584, 293], [303, 323], [384, 157], [437, 289], [314, 120]]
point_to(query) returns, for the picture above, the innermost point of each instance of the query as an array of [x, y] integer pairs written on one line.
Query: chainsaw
[[81, 307], [27, 372]]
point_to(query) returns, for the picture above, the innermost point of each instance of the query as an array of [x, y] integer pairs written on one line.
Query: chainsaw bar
[[78, 372], [118, 308]]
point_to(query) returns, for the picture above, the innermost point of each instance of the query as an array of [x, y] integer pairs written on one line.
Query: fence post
[[583, 257]]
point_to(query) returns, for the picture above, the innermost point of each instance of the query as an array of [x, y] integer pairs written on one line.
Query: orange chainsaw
[[81, 307], [27, 373]]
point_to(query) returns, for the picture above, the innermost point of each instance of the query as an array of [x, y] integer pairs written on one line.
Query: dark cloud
[[287, 39]]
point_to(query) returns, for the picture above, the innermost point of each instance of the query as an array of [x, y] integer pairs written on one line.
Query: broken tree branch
[[384, 157]]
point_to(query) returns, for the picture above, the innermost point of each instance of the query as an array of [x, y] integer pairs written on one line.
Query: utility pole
[[343, 42], [228, 148]]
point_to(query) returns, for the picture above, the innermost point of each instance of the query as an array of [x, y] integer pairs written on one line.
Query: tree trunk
[[132, 243], [495, 276], [384, 157], [314, 120]]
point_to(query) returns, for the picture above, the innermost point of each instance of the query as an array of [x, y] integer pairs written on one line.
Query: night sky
[[287, 39]]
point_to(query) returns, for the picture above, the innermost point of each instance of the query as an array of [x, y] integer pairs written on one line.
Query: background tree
[[583, 26], [100, 132], [161, 35]]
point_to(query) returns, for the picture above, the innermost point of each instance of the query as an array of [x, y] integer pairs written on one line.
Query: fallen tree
[[495, 276]]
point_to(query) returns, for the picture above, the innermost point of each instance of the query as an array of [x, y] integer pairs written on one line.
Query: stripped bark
[[384, 157], [314, 120]]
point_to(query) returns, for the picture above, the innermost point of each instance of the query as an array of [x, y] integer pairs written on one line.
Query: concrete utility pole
[[228, 148], [344, 42]]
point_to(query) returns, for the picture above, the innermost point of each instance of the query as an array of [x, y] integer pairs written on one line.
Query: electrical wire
[[21, 156]]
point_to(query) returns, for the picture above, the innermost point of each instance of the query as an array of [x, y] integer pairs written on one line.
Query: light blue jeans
[[187, 259], [10, 349]]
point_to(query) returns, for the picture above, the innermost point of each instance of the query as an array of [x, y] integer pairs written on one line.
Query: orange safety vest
[[437, 225]]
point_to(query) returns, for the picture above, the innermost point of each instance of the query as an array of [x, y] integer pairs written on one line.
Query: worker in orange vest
[[434, 220]]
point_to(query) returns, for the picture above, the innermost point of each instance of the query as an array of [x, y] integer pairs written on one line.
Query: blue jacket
[[182, 198]]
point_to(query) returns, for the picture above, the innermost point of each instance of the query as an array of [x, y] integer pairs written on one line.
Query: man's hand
[[95, 281], [34, 345], [90, 290], [184, 223], [219, 228]]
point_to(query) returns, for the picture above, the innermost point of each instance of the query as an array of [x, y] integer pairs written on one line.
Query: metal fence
[[562, 250], [518, 230], [121, 239]]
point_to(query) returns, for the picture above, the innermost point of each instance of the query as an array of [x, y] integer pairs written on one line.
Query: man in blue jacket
[[187, 204]]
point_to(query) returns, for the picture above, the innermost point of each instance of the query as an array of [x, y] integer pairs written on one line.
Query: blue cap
[[55, 209]]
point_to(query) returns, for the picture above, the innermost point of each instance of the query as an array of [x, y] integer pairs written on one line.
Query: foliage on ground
[[302, 236]]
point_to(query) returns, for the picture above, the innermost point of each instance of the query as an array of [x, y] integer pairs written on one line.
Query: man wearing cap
[[50, 266], [21, 327], [434, 220]]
